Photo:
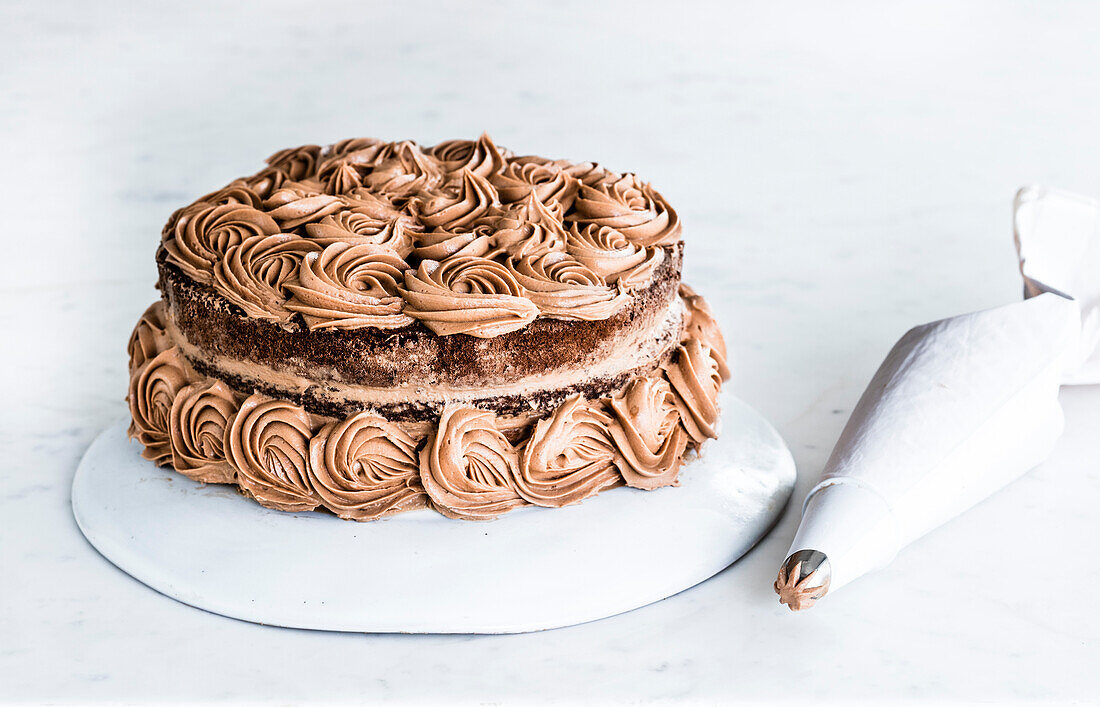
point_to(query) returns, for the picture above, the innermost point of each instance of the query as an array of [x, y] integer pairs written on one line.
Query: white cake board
[[419, 572]]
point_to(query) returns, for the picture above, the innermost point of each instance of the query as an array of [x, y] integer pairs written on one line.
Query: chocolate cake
[[375, 327]]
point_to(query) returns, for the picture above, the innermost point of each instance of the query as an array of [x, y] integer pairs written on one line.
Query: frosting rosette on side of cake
[[376, 327], [468, 467], [149, 336], [154, 386], [569, 456], [648, 433], [696, 380], [198, 422], [366, 467], [268, 445]]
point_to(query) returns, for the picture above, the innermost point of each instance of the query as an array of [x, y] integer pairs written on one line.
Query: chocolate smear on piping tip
[[803, 579]]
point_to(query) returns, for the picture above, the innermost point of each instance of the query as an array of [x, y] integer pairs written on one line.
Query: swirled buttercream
[[149, 337], [268, 445], [153, 389], [266, 181], [377, 206], [365, 467], [700, 324], [363, 147], [296, 162], [197, 425], [440, 244], [356, 228], [460, 206], [468, 467], [339, 176], [562, 287], [298, 203], [467, 295], [236, 192], [631, 207], [696, 380], [547, 183], [524, 239], [481, 156], [201, 237], [349, 287], [402, 169], [569, 456], [605, 251], [648, 433], [252, 275]]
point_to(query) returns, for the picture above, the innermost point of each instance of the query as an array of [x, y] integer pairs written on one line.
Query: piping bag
[[959, 409]]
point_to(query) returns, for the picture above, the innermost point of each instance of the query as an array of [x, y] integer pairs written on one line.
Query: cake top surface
[[462, 238]]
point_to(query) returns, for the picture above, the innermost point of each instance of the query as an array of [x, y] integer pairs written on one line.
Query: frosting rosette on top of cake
[[633, 208], [467, 295], [348, 287], [201, 236]]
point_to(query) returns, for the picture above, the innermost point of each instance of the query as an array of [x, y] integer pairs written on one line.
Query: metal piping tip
[[803, 579]]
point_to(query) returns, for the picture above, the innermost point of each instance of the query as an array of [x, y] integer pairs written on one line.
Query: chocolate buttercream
[[700, 324], [696, 380], [480, 157], [631, 207], [149, 337], [365, 467], [153, 389], [197, 425], [348, 287], [468, 467], [648, 434], [561, 286], [253, 274], [268, 444], [201, 237], [569, 456], [467, 295], [459, 207]]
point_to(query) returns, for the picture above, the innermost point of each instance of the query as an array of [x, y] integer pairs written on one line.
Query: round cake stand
[[419, 572]]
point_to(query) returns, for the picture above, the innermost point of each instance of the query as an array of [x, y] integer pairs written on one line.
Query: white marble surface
[[843, 171]]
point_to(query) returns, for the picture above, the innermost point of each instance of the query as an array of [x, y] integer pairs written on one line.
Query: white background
[[843, 171]]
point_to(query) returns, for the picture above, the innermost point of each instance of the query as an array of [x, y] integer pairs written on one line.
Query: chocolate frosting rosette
[[468, 468]]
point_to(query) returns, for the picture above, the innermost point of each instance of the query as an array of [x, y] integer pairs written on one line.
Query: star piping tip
[[803, 579]]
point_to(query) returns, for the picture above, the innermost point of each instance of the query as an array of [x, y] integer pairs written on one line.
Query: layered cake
[[376, 327]]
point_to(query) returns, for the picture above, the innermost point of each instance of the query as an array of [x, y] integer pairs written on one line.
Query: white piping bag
[[959, 409]]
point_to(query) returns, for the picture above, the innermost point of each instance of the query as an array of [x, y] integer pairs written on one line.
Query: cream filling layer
[[642, 348]]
